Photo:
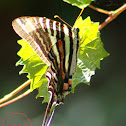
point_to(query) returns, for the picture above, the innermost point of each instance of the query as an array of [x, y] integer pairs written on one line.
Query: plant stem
[[113, 15], [7, 97], [100, 10], [80, 14], [17, 98]]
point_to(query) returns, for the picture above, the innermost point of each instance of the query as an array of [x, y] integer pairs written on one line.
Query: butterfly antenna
[[80, 14], [56, 16], [49, 112]]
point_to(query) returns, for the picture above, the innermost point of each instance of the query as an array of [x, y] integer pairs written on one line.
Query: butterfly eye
[[77, 29]]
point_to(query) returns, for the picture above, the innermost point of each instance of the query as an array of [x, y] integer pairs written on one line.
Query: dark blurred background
[[103, 103]]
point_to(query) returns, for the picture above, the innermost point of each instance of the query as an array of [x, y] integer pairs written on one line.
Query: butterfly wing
[[41, 33], [53, 42]]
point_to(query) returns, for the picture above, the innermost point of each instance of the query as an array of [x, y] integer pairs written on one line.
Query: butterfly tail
[[49, 112]]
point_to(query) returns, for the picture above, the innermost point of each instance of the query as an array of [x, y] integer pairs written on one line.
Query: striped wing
[[63, 56], [41, 33], [57, 46]]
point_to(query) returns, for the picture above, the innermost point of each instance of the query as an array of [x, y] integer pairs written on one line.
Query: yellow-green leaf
[[33, 65], [91, 51]]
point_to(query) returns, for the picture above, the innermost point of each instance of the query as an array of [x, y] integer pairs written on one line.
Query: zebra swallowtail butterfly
[[57, 45]]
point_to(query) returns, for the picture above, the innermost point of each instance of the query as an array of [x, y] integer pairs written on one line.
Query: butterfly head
[[75, 31]]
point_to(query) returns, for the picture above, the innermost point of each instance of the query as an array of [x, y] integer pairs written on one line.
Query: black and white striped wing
[[55, 43], [41, 33]]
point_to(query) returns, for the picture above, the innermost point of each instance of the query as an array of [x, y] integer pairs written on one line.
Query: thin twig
[[7, 97], [80, 14], [113, 16], [17, 98], [100, 10]]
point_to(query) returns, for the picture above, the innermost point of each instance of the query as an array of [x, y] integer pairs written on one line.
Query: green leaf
[[33, 65], [91, 51], [43, 90], [79, 3]]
